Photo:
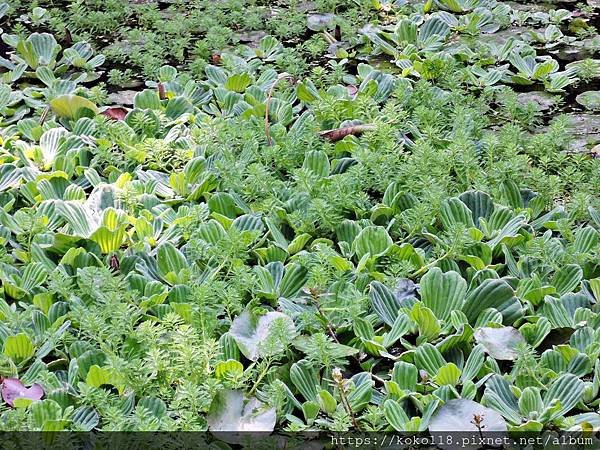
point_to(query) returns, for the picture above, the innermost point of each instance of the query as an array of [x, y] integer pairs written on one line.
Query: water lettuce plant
[[396, 240]]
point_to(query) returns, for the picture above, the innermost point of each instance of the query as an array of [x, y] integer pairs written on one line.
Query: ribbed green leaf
[[373, 240], [443, 292], [360, 395], [508, 231], [327, 402], [98, 376], [33, 276], [18, 347], [109, 240], [170, 260], [395, 415], [534, 334], [427, 324], [448, 374], [293, 280], [585, 239], [580, 365], [38, 50], [473, 364], [499, 397], [228, 347], [10, 175], [347, 231], [305, 379], [480, 204], [228, 369], [400, 327], [147, 99], [249, 222], [85, 418], [512, 194], [50, 143], [238, 82], [298, 243], [530, 401], [71, 106], [567, 278], [492, 293], [429, 359], [405, 375], [211, 231], [317, 162], [80, 219], [178, 106], [384, 302], [567, 389], [455, 212], [44, 411], [154, 405], [556, 313]]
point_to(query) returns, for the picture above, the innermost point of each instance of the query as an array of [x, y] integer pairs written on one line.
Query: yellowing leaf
[[18, 347], [69, 105]]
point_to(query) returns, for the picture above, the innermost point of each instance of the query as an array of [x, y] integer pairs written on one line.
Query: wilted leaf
[[500, 343], [461, 415], [320, 22], [231, 412], [251, 332], [12, 389]]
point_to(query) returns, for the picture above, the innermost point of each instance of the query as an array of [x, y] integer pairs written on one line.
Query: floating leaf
[[459, 414], [231, 412], [385, 304], [251, 332], [589, 100], [500, 343], [71, 106], [320, 22], [13, 389], [492, 293], [443, 292], [18, 347]]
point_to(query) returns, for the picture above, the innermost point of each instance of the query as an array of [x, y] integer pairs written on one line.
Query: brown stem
[[44, 115], [340, 133], [161, 91]]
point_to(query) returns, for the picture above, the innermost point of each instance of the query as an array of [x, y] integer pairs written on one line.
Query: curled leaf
[[115, 113]]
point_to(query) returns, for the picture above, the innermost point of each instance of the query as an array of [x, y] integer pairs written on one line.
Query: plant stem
[[262, 374], [339, 380], [315, 298]]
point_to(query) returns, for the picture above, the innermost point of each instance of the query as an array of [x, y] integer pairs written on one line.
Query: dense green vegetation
[[283, 215]]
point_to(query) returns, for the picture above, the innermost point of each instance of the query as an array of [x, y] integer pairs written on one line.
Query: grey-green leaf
[[250, 332], [443, 292], [457, 415], [500, 343]]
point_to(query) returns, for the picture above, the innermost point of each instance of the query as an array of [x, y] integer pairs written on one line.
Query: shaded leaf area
[[335, 227]]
